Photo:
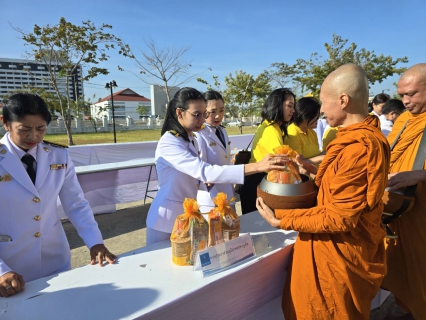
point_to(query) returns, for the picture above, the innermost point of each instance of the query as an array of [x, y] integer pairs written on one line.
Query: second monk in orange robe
[[339, 256]]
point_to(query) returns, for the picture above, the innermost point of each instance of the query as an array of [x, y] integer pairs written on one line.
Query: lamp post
[[110, 85]]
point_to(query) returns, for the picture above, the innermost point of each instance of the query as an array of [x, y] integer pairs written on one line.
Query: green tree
[[282, 76], [64, 48], [311, 73], [245, 94], [143, 110]]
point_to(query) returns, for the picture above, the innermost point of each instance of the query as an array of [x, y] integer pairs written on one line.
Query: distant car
[[234, 123], [255, 125]]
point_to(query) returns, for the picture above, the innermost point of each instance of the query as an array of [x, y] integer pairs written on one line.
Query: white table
[[161, 289], [145, 284]]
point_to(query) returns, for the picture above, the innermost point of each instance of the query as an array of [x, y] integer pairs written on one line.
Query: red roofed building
[[126, 103]]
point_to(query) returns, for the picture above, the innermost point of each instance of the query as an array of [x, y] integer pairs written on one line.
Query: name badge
[[58, 166], [217, 258]]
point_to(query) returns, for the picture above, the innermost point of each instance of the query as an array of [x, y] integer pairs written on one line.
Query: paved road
[[124, 230]]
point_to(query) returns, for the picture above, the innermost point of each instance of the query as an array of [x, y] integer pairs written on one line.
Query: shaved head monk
[[339, 255], [406, 256]]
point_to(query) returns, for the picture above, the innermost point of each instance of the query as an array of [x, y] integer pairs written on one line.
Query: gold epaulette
[[55, 144], [173, 132]]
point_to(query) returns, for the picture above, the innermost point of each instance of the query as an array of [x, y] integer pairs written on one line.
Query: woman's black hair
[[212, 95], [20, 105], [273, 107], [306, 109], [381, 98], [181, 100]]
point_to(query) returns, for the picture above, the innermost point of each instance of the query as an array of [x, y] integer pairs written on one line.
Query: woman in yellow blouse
[[276, 115], [301, 135]]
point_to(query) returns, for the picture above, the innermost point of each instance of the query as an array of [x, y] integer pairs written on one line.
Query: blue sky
[[229, 35]]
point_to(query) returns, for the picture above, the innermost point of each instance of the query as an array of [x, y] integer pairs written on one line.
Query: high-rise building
[[19, 73]]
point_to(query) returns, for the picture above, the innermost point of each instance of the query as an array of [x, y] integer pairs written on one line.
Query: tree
[[50, 98], [311, 73], [281, 76], [64, 48], [216, 84], [143, 110], [245, 94], [165, 68]]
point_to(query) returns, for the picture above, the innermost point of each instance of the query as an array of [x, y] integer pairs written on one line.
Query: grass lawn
[[124, 136]]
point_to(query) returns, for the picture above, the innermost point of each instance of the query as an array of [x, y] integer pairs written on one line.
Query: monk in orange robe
[[339, 255], [406, 256]]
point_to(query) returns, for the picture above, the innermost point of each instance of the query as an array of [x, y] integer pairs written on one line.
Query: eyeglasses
[[198, 116]]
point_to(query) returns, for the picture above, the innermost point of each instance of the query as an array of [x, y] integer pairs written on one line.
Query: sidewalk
[[124, 230]]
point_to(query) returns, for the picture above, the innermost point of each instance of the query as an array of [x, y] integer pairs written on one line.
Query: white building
[[19, 73], [159, 100], [126, 103]]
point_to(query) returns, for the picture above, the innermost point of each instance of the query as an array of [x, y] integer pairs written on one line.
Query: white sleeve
[[173, 154], [77, 208]]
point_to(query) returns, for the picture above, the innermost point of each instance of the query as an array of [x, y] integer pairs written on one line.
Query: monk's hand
[[100, 252], [11, 283], [405, 178], [306, 166], [273, 162], [267, 213]]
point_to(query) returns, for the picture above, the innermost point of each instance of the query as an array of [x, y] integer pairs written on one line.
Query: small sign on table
[[214, 259]]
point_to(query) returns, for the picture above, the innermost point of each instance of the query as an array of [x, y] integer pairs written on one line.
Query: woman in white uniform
[[33, 174], [181, 171], [215, 149]]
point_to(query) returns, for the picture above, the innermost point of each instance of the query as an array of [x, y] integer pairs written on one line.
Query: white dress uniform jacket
[[213, 152], [180, 173], [28, 215]]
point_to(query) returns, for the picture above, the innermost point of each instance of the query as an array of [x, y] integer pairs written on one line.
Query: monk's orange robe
[[339, 255], [406, 257]]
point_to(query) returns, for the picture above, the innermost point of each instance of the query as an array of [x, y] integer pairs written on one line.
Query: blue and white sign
[[214, 259]]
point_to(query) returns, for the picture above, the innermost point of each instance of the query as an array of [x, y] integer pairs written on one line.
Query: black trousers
[[248, 192]]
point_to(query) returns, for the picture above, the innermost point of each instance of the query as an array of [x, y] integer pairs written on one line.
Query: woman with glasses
[[302, 137], [215, 148], [276, 115], [181, 171]]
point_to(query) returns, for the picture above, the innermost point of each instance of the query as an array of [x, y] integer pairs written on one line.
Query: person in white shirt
[[215, 149], [33, 174], [390, 112], [181, 171]]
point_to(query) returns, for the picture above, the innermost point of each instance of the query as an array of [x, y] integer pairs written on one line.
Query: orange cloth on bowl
[[339, 256], [407, 255]]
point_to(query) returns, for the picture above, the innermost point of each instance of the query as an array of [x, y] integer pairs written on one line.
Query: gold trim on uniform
[[54, 145], [212, 143], [46, 149], [58, 166], [3, 151], [6, 177]]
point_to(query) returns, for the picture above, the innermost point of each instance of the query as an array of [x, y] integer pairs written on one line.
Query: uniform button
[[37, 218], [35, 199], [226, 156], [37, 234], [3, 151]]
